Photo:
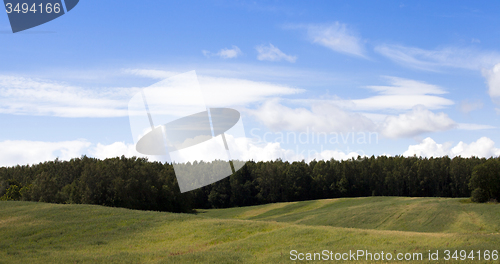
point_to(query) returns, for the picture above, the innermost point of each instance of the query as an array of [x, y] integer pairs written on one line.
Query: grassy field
[[52, 233]]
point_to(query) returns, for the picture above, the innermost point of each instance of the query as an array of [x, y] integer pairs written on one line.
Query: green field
[[53, 233]]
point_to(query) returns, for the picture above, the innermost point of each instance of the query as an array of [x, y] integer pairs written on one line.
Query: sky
[[311, 79]]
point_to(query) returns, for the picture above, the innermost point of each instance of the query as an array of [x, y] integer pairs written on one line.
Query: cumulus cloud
[[245, 149], [31, 152], [483, 147], [339, 115], [271, 53], [320, 117], [268, 151], [428, 148], [419, 120], [116, 149], [434, 60], [25, 152], [224, 53], [403, 94], [493, 80]]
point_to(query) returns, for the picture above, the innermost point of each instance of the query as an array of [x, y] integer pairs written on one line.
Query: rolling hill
[[54, 233]]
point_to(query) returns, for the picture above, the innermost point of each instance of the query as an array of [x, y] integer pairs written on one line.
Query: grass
[[442, 215], [52, 233]]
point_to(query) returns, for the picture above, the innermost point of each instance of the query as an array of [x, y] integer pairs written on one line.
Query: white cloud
[[467, 106], [223, 91], [334, 154], [450, 57], [24, 152], [224, 53], [229, 53], [150, 73], [27, 96], [465, 126], [428, 148], [483, 147], [234, 92], [329, 116], [493, 79], [271, 53], [403, 94], [240, 148], [116, 149], [433, 60], [419, 120], [402, 86], [401, 102], [335, 36], [347, 115], [320, 117], [269, 151], [19, 95], [276, 73], [32, 152]]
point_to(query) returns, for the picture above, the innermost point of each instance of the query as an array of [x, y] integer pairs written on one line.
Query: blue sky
[[423, 76]]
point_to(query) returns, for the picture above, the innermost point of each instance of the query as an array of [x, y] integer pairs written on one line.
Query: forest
[[137, 183]]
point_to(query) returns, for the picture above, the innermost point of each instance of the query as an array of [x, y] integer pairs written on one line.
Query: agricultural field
[[33, 232]]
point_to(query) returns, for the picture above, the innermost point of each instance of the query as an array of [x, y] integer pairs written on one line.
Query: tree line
[[137, 183]]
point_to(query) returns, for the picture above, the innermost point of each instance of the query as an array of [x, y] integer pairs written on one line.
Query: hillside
[[53, 233], [381, 213]]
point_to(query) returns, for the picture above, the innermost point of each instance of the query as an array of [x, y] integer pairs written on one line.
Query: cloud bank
[[29, 96], [484, 148], [420, 120]]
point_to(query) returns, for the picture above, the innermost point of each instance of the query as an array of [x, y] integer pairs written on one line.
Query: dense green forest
[[139, 184]]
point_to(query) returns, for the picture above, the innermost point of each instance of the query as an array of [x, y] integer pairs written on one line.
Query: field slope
[[382, 213], [52, 233]]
